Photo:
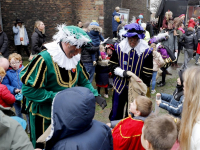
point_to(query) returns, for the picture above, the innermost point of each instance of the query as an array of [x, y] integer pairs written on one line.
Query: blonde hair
[[191, 106], [2, 73], [37, 24], [101, 47], [144, 105], [167, 15], [15, 56], [117, 9]]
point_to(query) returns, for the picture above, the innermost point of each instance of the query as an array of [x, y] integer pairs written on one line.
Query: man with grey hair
[[115, 21]]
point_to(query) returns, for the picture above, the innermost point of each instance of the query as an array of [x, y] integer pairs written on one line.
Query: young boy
[[12, 79], [159, 132], [126, 134], [173, 103]]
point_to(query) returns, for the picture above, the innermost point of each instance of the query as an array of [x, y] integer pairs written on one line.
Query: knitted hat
[[141, 16], [94, 24], [134, 29], [191, 23], [72, 35]]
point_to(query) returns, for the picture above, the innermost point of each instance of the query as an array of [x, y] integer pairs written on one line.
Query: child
[[94, 31], [12, 79], [13, 82], [4, 63], [102, 71], [109, 51], [180, 32], [76, 129], [159, 132], [102, 52], [173, 103], [6, 98], [190, 120], [127, 133], [158, 62]]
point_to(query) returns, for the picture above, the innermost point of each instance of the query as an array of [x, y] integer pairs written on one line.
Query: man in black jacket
[[190, 45], [86, 58]]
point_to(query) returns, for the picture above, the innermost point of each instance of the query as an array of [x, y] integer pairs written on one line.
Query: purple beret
[[134, 29]]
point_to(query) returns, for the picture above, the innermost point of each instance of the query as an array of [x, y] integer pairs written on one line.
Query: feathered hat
[[72, 35], [159, 38], [134, 29]]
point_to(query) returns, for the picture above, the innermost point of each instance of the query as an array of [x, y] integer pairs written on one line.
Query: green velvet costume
[[42, 79]]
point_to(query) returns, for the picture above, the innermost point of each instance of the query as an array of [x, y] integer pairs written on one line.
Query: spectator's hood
[[72, 112]]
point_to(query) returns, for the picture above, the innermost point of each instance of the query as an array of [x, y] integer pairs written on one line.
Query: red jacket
[[127, 134], [6, 98]]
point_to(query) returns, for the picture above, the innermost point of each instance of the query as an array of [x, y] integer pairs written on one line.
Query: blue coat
[[173, 105], [73, 111], [115, 24], [17, 36], [96, 37], [12, 80]]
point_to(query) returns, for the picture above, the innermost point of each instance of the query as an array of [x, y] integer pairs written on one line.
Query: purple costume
[[141, 65]]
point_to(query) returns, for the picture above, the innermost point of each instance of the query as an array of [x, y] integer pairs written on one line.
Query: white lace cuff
[[119, 72]]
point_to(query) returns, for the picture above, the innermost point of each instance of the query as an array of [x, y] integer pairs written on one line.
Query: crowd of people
[[54, 90]]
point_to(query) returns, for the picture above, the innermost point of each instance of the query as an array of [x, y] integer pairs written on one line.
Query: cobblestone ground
[[102, 115]]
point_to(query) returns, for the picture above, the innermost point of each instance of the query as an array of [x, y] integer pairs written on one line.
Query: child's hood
[[10, 69], [93, 28]]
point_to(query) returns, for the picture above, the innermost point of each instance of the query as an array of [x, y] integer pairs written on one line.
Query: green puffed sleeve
[[33, 77], [83, 79]]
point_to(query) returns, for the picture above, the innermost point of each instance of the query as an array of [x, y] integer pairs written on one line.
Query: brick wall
[[136, 8], [88, 10], [51, 12], [109, 7]]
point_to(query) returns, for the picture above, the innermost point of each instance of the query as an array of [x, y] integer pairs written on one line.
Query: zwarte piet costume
[[127, 134], [52, 71], [138, 60]]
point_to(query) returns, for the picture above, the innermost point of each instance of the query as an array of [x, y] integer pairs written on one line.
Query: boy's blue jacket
[[12, 79], [73, 111]]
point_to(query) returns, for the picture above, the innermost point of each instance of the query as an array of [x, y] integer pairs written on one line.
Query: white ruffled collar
[[140, 48], [60, 58]]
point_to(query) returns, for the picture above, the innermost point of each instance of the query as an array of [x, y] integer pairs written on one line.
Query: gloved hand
[[101, 101], [128, 74], [125, 74]]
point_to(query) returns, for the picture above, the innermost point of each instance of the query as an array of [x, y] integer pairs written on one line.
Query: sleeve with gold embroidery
[[114, 61], [34, 78], [147, 70], [83, 79]]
